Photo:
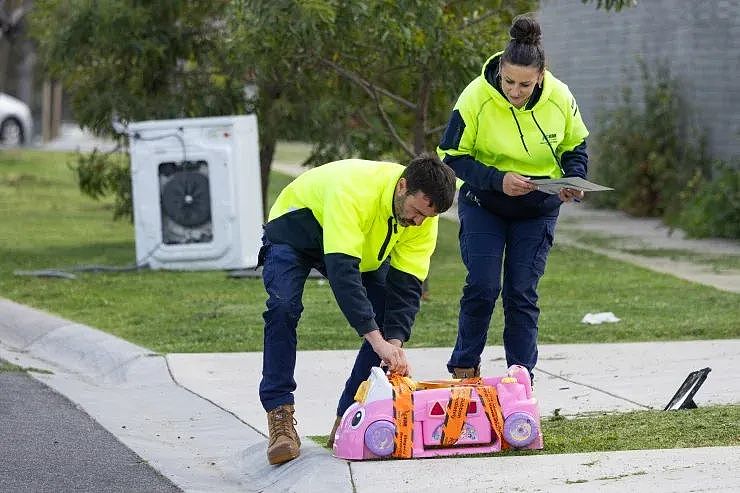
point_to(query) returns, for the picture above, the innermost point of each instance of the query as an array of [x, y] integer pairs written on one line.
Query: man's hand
[[396, 342], [515, 184], [390, 352]]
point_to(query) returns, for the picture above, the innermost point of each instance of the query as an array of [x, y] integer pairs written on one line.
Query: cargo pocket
[[540, 258]]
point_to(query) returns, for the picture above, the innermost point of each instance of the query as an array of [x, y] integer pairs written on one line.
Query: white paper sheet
[[599, 318]]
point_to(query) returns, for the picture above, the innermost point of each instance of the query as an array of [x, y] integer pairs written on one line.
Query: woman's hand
[[515, 184], [568, 194]]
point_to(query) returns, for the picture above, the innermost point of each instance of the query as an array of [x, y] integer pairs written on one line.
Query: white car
[[15, 122]]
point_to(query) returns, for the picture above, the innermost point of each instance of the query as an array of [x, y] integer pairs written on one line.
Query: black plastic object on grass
[[684, 397]]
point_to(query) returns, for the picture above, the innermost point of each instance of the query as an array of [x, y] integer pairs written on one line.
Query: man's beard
[[398, 209]]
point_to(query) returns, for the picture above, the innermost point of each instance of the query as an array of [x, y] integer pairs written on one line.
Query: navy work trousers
[[488, 244], [284, 274]]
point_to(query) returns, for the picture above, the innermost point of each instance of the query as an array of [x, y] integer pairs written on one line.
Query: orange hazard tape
[[489, 398], [457, 407], [457, 410], [403, 414]]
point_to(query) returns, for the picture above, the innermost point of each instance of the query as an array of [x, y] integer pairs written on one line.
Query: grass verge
[[6, 367], [10, 367]]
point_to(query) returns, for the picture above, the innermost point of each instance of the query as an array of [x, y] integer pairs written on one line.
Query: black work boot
[[284, 442]]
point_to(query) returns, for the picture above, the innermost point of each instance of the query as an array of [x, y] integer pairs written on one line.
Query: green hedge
[[656, 160]]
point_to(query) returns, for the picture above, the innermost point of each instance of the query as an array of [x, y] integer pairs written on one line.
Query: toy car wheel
[[520, 429], [380, 437]]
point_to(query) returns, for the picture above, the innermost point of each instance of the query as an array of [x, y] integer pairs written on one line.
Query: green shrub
[[712, 206], [100, 174], [647, 150]]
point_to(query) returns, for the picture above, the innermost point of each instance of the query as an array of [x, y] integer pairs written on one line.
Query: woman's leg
[[527, 247], [482, 238]]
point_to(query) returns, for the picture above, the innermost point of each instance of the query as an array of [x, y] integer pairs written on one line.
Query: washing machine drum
[[186, 199]]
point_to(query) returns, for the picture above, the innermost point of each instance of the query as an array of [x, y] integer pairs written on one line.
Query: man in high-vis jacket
[[370, 228]]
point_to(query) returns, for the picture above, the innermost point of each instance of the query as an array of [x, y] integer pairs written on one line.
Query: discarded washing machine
[[196, 192]]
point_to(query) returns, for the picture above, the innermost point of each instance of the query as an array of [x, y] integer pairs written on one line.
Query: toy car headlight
[[357, 419]]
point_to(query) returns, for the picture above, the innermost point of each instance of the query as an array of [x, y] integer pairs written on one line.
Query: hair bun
[[525, 30]]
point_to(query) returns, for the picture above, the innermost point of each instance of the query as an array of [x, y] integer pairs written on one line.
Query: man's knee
[[283, 308]]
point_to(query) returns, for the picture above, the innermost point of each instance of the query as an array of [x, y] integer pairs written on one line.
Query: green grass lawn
[[46, 223]]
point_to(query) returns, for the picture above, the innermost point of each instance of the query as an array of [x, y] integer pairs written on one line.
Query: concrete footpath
[[196, 418]]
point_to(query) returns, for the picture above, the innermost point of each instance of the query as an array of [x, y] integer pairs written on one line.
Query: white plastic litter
[[599, 318]]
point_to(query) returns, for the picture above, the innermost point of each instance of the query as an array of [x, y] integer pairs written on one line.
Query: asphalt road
[[48, 444]]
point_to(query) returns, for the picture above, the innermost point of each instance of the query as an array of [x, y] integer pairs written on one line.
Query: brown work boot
[[337, 422], [466, 372], [284, 442]]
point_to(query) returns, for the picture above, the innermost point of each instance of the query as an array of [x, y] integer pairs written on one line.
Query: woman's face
[[518, 82]]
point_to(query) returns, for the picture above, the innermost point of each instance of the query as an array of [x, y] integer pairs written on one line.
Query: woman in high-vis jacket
[[513, 123]]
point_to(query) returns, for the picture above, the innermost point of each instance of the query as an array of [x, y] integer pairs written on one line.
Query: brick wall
[[595, 52]]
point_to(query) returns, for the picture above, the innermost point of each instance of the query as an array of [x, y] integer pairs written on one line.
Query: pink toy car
[[368, 427]]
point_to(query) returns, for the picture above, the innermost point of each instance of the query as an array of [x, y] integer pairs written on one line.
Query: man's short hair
[[428, 174]]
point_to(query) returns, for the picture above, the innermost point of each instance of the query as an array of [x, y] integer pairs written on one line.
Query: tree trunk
[[422, 113], [25, 71], [268, 91], [420, 144], [267, 151], [4, 64]]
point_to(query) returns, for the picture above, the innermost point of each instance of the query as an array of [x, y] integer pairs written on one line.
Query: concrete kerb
[[129, 391]]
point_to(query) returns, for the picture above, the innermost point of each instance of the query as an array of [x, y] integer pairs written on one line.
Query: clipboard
[[553, 185]]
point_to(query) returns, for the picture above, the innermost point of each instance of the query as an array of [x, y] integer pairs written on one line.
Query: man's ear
[[401, 187]]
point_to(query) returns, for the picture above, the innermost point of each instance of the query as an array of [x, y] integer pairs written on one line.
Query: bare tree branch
[[389, 124], [435, 130], [367, 86], [363, 118], [481, 18]]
